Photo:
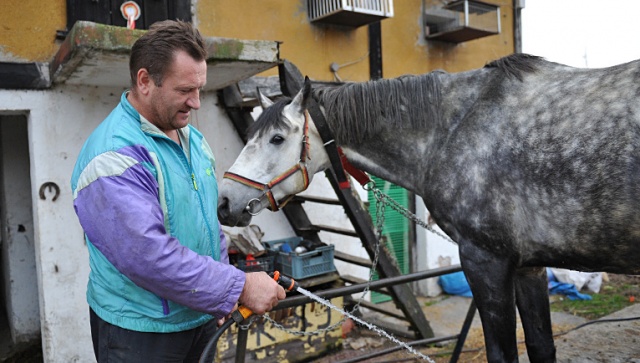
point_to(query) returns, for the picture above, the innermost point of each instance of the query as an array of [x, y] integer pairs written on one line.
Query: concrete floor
[[615, 342]]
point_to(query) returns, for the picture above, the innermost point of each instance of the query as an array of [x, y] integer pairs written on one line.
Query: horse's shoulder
[[516, 65]]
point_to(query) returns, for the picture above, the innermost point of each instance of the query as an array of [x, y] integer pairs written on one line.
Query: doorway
[[19, 305]]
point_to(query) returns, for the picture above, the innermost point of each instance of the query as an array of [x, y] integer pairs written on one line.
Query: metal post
[[352, 289], [463, 332], [241, 344]]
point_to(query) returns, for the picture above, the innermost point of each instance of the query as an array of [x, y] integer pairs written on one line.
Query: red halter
[[266, 188]]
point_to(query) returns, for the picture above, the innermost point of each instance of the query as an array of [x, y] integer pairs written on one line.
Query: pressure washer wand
[[242, 313]]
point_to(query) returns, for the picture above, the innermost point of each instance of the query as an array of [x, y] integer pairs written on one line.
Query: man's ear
[[143, 81]]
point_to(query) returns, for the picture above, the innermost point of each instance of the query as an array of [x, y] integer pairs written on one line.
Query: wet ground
[[611, 339]]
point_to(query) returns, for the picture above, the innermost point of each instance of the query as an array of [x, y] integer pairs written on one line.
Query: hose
[[212, 343]]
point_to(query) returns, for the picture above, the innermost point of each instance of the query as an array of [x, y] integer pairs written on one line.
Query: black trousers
[[113, 344]]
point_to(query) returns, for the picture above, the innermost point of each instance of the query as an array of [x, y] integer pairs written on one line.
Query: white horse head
[[283, 153]]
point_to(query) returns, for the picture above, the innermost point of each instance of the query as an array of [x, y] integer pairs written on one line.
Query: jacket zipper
[[193, 179]]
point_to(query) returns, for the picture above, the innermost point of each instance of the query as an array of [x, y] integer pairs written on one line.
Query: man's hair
[[155, 50]]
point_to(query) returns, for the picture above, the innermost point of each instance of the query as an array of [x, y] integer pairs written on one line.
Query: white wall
[[59, 121], [433, 251]]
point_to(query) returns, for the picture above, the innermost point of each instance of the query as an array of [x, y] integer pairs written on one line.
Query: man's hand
[[261, 293]]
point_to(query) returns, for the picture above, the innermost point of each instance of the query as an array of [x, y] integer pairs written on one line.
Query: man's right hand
[[261, 293]]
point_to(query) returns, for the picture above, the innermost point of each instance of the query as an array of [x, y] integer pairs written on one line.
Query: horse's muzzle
[[230, 218]]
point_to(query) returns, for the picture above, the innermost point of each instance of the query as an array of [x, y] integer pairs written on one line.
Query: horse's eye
[[277, 140]]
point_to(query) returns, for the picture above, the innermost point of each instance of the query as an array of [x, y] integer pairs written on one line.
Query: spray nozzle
[[288, 283]]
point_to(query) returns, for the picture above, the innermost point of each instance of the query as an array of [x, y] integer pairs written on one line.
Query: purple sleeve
[[123, 219]]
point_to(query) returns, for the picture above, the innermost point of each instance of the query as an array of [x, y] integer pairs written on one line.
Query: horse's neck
[[404, 155]]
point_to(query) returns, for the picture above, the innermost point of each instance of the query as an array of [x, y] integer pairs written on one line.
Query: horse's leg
[[491, 280], [532, 298]]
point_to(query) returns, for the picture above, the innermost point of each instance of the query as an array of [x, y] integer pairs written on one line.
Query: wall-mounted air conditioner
[[352, 13], [462, 20]]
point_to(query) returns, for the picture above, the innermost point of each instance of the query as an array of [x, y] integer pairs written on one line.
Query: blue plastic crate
[[301, 265]]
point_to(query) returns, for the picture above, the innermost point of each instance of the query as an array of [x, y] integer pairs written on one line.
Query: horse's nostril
[[223, 208]]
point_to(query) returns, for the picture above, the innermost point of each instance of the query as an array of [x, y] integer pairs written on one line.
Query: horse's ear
[[306, 91], [301, 99], [264, 100]]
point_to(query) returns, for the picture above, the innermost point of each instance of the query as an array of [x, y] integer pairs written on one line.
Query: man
[[145, 194]]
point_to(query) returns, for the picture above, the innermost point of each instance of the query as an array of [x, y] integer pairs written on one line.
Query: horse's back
[[556, 157]]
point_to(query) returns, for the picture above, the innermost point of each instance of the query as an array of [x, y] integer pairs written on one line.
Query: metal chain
[[385, 199], [382, 200]]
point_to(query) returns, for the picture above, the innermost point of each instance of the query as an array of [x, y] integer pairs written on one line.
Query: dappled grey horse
[[524, 163]]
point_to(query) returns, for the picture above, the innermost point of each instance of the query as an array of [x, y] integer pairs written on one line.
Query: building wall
[[314, 47], [29, 28]]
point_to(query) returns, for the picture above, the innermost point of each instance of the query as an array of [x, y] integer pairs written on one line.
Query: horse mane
[[269, 118], [357, 111], [515, 65]]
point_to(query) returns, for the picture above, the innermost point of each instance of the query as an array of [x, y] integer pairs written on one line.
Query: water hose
[[242, 313]]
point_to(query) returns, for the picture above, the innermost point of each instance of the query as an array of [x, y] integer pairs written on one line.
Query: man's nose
[[194, 100]]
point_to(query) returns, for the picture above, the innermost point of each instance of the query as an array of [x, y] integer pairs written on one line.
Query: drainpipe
[[375, 72], [518, 5], [375, 51]]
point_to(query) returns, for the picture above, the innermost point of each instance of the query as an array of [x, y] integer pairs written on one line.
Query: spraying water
[[368, 325]]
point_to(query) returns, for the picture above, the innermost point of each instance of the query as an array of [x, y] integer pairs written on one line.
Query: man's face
[[170, 104]]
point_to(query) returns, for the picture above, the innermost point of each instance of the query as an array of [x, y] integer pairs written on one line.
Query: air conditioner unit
[[352, 13], [461, 21]]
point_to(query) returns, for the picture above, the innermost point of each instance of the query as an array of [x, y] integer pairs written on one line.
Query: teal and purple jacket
[[147, 206]]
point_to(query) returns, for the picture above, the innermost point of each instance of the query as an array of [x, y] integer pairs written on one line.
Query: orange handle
[[244, 311]]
